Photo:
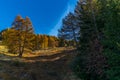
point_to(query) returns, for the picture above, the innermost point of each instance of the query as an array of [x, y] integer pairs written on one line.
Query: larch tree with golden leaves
[[20, 35]]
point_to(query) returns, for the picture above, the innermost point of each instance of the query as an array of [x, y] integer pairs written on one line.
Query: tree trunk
[[20, 54], [74, 35], [21, 50]]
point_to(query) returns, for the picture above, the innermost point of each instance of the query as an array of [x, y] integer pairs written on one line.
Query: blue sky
[[46, 15]]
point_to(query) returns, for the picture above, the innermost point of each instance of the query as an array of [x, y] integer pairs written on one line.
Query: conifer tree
[[21, 34], [51, 41], [69, 29], [93, 61], [111, 42]]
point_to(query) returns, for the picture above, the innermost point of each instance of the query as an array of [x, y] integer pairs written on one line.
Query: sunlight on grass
[[3, 49], [36, 56], [45, 59]]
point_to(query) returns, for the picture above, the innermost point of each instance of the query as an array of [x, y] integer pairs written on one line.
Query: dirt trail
[[53, 67]]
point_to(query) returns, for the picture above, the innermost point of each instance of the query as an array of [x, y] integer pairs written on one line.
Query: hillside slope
[[47, 67]]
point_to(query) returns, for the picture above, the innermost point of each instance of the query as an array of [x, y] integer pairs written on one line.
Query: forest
[[87, 46], [22, 35]]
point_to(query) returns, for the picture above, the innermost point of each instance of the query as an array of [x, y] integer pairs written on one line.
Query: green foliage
[[99, 40], [90, 62], [112, 40], [113, 72], [62, 42]]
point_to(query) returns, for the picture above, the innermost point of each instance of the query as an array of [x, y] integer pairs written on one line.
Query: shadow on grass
[[53, 67]]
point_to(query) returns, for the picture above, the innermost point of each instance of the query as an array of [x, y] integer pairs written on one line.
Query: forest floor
[[53, 64]]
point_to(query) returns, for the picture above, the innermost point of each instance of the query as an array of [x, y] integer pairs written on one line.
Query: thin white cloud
[[54, 31], [70, 8]]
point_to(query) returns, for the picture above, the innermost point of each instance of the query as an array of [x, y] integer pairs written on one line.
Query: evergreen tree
[[91, 62], [111, 42], [69, 29]]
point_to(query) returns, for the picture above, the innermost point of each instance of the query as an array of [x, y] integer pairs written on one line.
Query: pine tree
[[91, 62], [111, 42], [69, 29]]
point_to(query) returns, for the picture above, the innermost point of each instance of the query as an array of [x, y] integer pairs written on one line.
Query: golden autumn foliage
[[19, 36]]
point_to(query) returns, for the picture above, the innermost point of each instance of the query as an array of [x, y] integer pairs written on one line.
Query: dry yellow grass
[[38, 53], [3, 49], [28, 53], [53, 65]]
